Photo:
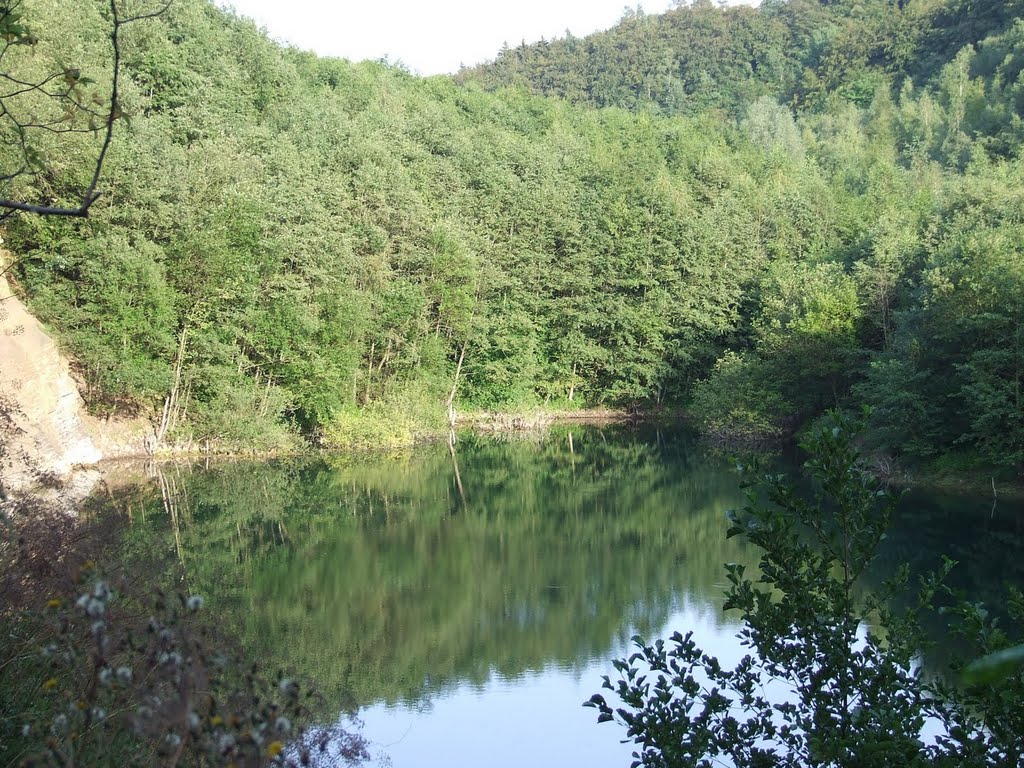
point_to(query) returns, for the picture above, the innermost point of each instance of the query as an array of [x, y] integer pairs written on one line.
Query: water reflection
[[379, 579], [468, 600], [535, 719]]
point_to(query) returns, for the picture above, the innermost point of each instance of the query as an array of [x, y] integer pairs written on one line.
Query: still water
[[467, 601]]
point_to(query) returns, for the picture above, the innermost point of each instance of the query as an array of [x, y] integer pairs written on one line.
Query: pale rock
[[42, 434]]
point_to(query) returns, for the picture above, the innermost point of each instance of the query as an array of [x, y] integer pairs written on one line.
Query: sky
[[428, 36]]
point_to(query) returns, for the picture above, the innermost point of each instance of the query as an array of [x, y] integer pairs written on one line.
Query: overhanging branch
[[13, 206], [91, 195]]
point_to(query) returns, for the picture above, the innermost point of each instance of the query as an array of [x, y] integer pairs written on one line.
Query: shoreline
[[983, 481], [485, 422], [479, 422]]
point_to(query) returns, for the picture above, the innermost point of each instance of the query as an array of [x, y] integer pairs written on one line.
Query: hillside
[[294, 248], [698, 57]]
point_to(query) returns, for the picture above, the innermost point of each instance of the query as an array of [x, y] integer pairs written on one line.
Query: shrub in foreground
[[832, 677], [107, 670]]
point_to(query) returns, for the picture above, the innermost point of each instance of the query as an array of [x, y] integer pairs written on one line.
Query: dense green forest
[[755, 213]]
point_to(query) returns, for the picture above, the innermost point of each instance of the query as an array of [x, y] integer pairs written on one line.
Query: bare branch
[[71, 99], [47, 210]]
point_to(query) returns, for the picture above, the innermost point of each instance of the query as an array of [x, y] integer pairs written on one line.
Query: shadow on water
[[382, 578], [396, 579]]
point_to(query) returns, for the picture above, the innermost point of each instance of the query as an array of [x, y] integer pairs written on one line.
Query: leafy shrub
[[108, 670], [244, 415], [397, 421], [739, 400], [96, 685], [831, 679]]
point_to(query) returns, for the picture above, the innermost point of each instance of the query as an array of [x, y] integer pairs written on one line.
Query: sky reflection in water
[[536, 719], [469, 622]]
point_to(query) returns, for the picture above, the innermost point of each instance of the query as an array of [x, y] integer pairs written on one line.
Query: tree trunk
[[450, 403], [169, 416]]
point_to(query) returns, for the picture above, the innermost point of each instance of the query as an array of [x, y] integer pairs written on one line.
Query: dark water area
[[468, 600]]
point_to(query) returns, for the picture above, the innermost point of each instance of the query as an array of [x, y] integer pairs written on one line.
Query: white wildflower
[[173, 658]]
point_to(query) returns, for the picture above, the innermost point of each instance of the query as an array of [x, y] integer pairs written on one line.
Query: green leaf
[[994, 667]]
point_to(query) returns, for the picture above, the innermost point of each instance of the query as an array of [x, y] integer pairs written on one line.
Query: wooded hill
[[700, 57], [759, 213]]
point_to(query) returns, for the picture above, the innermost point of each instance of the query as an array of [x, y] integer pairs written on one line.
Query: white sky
[[429, 36]]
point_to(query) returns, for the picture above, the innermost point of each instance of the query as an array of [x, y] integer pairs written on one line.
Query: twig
[[91, 195]]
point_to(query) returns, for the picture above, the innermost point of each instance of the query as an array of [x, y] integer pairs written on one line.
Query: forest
[[751, 214]]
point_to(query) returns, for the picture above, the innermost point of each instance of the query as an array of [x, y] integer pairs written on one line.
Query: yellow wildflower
[[50, 684], [53, 602], [274, 748]]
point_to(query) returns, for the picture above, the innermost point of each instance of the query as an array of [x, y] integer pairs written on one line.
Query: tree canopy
[[763, 212]]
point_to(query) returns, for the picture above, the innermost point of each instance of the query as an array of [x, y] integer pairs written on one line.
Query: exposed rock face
[[42, 434]]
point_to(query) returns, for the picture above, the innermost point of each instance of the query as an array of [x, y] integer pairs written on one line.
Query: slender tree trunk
[[369, 372], [450, 403], [385, 357], [168, 417], [265, 402]]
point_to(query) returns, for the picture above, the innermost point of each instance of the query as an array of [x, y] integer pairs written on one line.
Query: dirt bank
[[42, 434], [46, 436]]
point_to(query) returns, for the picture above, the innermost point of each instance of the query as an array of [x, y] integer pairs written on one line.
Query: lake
[[467, 601]]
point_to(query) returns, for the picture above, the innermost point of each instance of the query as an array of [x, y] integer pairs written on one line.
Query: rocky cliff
[[43, 435]]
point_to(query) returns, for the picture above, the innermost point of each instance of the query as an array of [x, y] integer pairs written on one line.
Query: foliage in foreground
[[833, 674], [111, 671]]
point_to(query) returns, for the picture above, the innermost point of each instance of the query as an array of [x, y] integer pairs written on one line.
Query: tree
[[60, 101], [831, 678], [808, 329]]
